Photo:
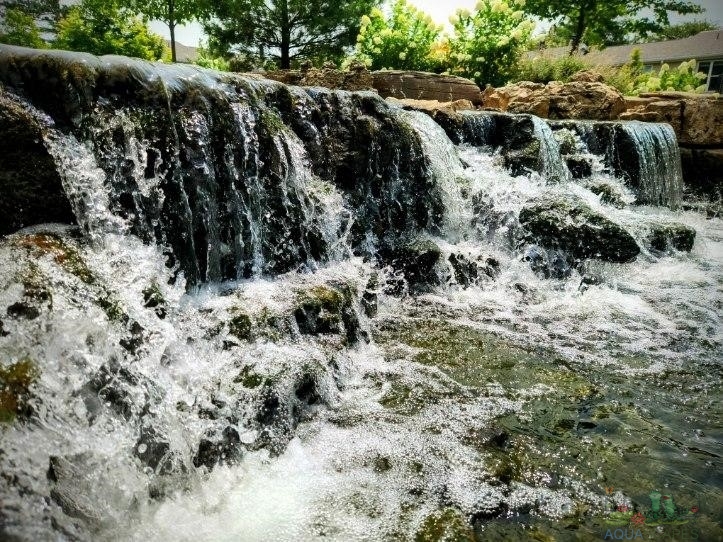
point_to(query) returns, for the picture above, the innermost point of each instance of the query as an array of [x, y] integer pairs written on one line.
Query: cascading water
[[294, 314]]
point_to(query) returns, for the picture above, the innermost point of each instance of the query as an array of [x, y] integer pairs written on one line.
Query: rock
[[16, 385], [153, 299], [447, 525], [547, 263], [218, 447], [580, 166], [73, 490], [587, 76], [568, 224], [240, 326], [608, 192], [154, 450], [328, 309], [703, 171], [32, 191], [573, 100], [356, 78], [469, 270], [416, 259], [425, 86], [566, 139], [672, 235], [370, 297], [696, 118]]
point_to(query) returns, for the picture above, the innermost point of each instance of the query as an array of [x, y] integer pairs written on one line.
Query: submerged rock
[[671, 236], [216, 447], [571, 225]]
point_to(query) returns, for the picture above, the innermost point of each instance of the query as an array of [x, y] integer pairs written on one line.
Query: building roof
[[702, 46]]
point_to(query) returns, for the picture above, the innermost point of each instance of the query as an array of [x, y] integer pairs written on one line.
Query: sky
[[440, 10]]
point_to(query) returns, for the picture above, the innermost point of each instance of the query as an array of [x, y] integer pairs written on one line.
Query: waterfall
[[248, 311], [659, 174]]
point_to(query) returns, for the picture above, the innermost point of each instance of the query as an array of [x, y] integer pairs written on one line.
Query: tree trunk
[[285, 36], [579, 30], [172, 28]]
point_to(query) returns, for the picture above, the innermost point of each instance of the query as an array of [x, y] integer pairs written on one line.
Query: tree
[[172, 13], [683, 30], [44, 14], [20, 29], [285, 29], [106, 27], [607, 22], [403, 40], [488, 43]]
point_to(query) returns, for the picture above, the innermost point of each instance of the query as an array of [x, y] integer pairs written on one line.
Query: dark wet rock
[[154, 450], [23, 310], [3, 333], [547, 263], [568, 224], [153, 299], [416, 259], [134, 339], [469, 270], [370, 297], [32, 192], [329, 309], [217, 447], [580, 166], [126, 393], [590, 279], [671, 236]]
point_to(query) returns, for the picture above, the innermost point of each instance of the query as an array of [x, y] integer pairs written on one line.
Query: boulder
[[703, 171], [425, 86], [696, 118], [416, 259], [587, 76], [356, 78], [569, 224], [32, 192], [574, 100]]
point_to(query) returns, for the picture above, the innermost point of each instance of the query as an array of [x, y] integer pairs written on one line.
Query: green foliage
[[105, 27], [285, 30], [404, 40], [488, 43], [20, 29], [172, 13], [682, 30], [206, 59], [544, 70], [682, 78], [609, 22]]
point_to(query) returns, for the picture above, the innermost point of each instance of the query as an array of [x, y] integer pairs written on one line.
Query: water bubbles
[[142, 448]]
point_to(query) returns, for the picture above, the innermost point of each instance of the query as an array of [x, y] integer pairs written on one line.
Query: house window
[[714, 71]]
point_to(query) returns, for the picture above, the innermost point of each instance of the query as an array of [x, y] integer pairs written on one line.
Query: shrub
[[544, 70], [404, 40], [487, 44], [20, 29]]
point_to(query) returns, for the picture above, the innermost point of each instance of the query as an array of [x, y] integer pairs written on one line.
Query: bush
[[404, 40], [101, 27], [207, 60], [488, 43], [544, 70], [20, 29], [631, 80]]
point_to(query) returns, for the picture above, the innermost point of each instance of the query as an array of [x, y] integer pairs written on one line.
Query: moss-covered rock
[[608, 192], [16, 382], [569, 224], [671, 236], [445, 526]]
